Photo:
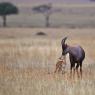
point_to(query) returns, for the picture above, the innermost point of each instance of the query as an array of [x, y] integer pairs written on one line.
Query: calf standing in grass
[[76, 55], [60, 65]]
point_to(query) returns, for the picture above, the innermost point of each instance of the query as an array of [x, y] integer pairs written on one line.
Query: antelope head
[[64, 46]]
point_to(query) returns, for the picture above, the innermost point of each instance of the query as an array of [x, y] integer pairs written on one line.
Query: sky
[[46, 1]]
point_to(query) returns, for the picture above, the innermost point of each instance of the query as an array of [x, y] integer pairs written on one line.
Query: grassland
[[27, 62]]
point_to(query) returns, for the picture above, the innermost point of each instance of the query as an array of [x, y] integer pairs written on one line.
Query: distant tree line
[[7, 9]]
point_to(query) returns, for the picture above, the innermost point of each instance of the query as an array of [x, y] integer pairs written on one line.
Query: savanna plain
[[27, 62]]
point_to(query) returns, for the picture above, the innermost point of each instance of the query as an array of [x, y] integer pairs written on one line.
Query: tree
[[46, 10], [7, 9]]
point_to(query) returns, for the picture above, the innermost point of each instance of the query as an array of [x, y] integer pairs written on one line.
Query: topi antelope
[[76, 56]]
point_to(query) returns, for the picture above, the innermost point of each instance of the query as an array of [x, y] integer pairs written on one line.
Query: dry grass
[[27, 62]]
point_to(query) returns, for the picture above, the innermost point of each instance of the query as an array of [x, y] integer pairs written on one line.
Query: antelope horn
[[63, 40]]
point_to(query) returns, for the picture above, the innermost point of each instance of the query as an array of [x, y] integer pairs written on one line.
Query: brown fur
[[59, 65]]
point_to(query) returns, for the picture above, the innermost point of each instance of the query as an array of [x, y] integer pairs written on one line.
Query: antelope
[[60, 65], [76, 56]]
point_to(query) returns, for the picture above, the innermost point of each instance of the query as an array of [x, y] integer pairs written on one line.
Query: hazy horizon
[[46, 1]]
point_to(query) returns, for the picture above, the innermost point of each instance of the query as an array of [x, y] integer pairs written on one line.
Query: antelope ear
[[63, 40]]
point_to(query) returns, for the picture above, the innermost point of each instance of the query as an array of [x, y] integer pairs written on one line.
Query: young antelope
[[60, 65]]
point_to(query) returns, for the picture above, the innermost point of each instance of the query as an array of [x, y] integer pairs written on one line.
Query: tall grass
[[27, 66]]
